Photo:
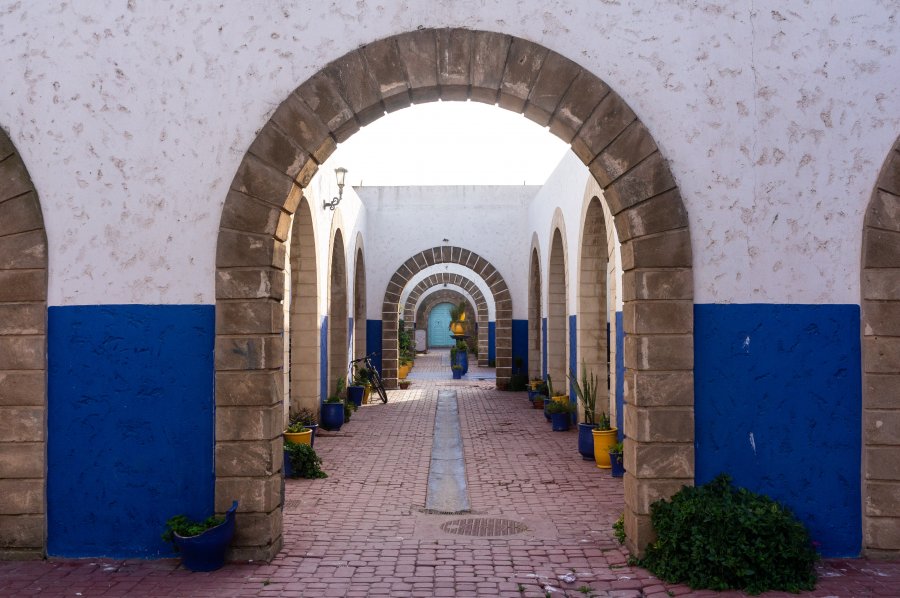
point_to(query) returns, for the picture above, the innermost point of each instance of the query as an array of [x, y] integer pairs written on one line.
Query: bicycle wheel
[[379, 386]]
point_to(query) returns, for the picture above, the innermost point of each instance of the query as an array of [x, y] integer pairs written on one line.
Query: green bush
[[305, 463], [518, 382], [186, 528], [720, 537]]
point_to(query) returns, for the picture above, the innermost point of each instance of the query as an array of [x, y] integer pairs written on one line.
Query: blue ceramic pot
[[332, 415], [618, 465], [560, 421], [586, 441], [355, 394], [206, 552]]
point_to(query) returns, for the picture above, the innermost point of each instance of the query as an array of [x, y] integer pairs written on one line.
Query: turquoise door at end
[[439, 326]]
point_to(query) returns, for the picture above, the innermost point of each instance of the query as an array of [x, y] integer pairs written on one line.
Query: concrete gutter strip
[[447, 491]]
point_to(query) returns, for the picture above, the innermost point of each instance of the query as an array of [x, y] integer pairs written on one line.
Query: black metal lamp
[[340, 174]]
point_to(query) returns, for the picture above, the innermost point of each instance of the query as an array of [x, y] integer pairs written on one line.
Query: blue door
[[439, 326]]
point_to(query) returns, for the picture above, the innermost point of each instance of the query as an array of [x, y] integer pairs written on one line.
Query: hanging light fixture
[[340, 173]]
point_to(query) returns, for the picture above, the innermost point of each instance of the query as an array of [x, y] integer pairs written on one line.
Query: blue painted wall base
[[129, 427], [492, 341], [373, 342], [520, 344], [778, 408]]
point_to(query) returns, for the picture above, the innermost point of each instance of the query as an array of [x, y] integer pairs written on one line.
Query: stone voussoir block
[[240, 249], [21, 496], [659, 317], [14, 179], [611, 116], [245, 459], [882, 499], [256, 529], [671, 249], [579, 102], [878, 284], [881, 248], [276, 148], [386, 65], [656, 389], [21, 531], [659, 352], [454, 57], [249, 423], [489, 51], [881, 390], [554, 78], [639, 533], [649, 178], [323, 96], [881, 318], [882, 533], [304, 127], [657, 284], [23, 318], [658, 214], [22, 459], [882, 462], [659, 424], [251, 283], [523, 63], [418, 51], [249, 388], [641, 493], [24, 251], [23, 388], [881, 354], [23, 285], [20, 214], [23, 352], [256, 316], [255, 494], [659, 460], [248, 352], [357, 86], [884, 211], [632, 146]]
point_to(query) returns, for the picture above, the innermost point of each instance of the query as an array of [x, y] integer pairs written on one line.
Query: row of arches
[[265, 210]]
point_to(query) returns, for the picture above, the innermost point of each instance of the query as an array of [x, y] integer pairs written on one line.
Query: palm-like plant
[[586, 391]]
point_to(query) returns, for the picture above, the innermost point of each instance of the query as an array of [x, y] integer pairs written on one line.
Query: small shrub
[[619, 529], [719, 537], [184, 527], [518, 382], [305, 463]]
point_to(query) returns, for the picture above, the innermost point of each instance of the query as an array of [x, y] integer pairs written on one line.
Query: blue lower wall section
[[573, 356], [130, 425], [778, 408], [492, 341], [520, 344], [543, 348], [620, 374], [323, 360], [373, 342]]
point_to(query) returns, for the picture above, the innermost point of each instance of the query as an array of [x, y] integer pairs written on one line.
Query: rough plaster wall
[[452, 269], [565, 189], [132, 117], [487, 220]]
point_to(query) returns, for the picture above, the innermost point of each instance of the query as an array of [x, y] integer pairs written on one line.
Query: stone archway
[[23, 361], [518, 75], [337, 314], [881, 362], [557, 313], [359, 302], [535, 354], [468, 285], [447, 255], [454, 296], [591, 316]]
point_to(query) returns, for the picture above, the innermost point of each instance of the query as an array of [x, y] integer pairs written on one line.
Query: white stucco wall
[[490, 221], [133, 116]]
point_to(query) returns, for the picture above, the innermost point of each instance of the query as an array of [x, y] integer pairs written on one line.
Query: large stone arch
[[535, 354], [881, 362], [447, 255], [557, 309], [23, 361], [591, 313], [457, 64], [359, 301], [468, 285]]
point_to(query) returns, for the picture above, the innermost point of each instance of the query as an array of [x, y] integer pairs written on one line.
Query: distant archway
[[457, 64], [337, 314], [359, 303], [448, 295], [591, 320], [557, 314], [305, 346], [468, 285], [535, 319]]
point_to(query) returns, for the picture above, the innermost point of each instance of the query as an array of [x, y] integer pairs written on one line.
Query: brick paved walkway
[[363, 532]]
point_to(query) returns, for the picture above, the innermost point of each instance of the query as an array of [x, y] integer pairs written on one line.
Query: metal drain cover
[[483, 527]]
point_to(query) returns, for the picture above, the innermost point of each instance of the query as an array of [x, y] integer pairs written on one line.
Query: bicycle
[[370, 374]]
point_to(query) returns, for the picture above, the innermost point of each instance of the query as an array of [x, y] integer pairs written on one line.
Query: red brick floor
[[362, 531]]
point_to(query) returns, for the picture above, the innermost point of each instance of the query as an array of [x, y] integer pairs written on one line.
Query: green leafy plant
[[349, 409], [517, 382], [305, 463], [184, 527], [586, 392], [603, 422], [619, 529], [616, 450], [550, 386], [560, 407], [456, 368], [720, 537]]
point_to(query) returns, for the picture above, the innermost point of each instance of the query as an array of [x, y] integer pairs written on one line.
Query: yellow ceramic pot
[[457, 328], [603, 441], [560, 398], [366, 392], [304, 437], [403, 371]]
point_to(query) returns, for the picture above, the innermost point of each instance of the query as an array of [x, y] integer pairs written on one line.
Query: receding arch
[[881, 361], [450, 295], [591, 314], [23, 361], [359, 301], [458, 64], [337, 314], [535, 318], [305, 349], [468, 285], [446, 254], [557, 311]]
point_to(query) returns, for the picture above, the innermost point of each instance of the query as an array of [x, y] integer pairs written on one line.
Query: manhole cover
[[292, 505], [483, 527]]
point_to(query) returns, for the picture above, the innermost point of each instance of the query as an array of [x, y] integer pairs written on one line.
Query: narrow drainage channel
[[447, 492]]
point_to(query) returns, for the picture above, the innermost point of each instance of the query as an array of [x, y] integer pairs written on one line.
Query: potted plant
[[302, 427], [616, 461], [457, 371], [560, 414], [349, 409], [404, 384], [537, 401], [302, 461], [333, 408], [604, 439], [586, 392], [202, 544], [361, 379], [458, 319]]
